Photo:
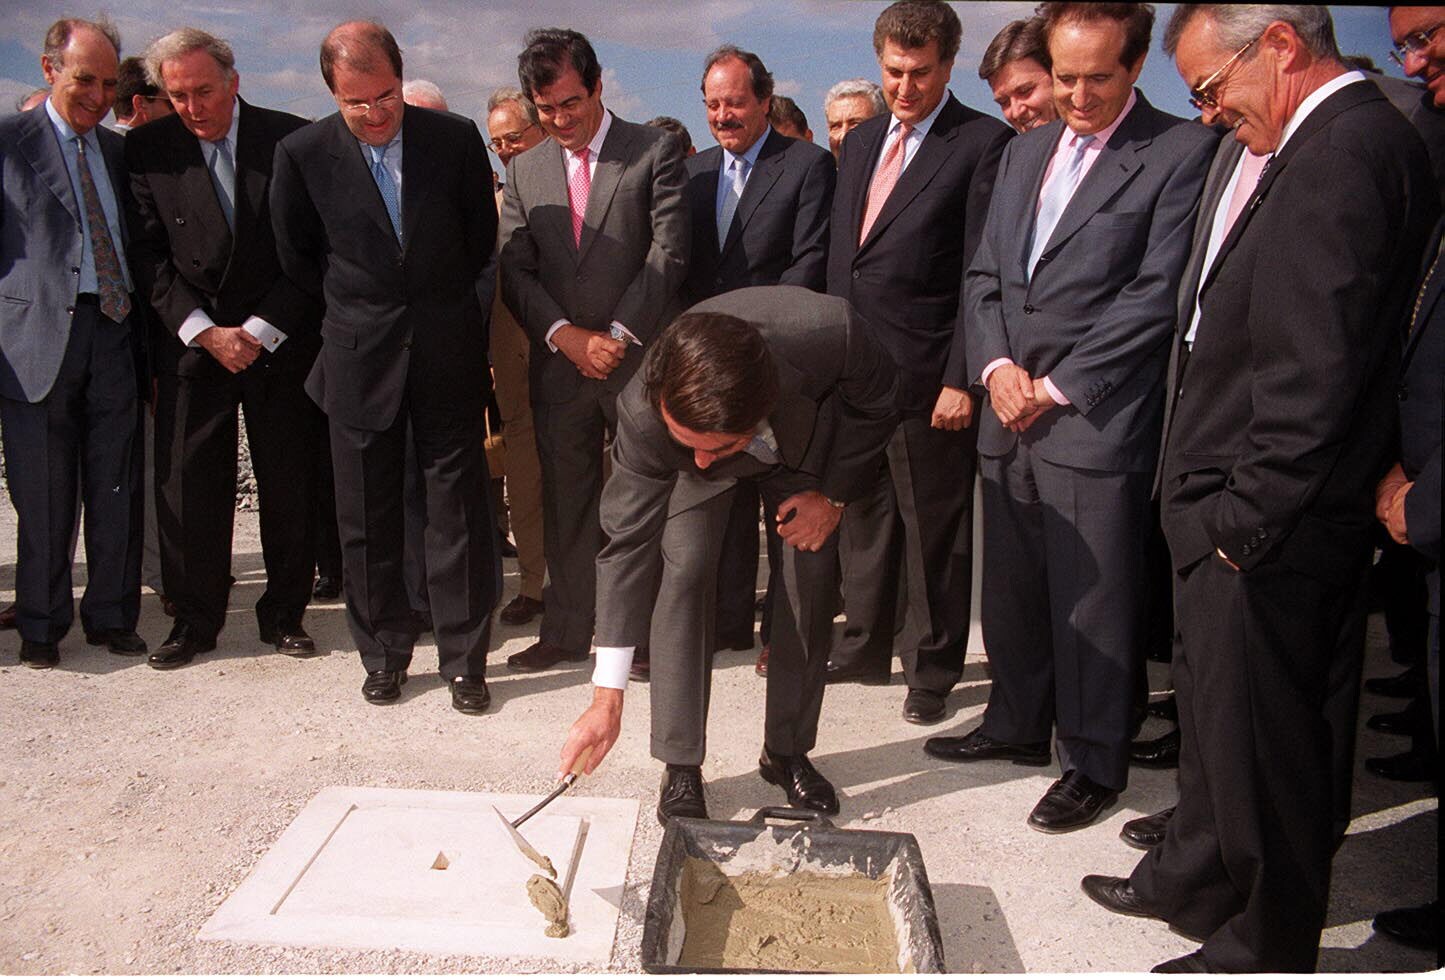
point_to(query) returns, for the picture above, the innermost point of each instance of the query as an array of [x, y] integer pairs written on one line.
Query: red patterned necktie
[[579, 185], [110, 283], [884, 180]]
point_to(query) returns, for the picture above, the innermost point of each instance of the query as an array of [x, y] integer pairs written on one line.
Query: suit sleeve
[[481, 217], [652, 290], [1144, 314], [300, 235], [867, 391], [985, 337], [633, 512], [149, 248], [956, 373], [521, 266], [1422, 509], [1307, 358], [809, 267]]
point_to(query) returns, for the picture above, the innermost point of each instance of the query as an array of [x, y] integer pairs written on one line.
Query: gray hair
[[851, 87], [182, 41], [1235, 25], [57, 38], [504, 95], [420, 88]]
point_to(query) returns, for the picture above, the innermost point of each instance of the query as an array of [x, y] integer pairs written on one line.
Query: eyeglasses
[[509, 139], [385, 104], [1202, 97], [1413, 43]]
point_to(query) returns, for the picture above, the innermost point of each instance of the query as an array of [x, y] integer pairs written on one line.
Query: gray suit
[[629, 268], [1066, 502], [665, 518], [68, 392]]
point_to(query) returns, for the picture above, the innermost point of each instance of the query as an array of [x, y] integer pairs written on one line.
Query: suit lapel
[[251, 170], [418, 174], [704, 189], [612, 160], [353, 171], [870, 142], [1432, 293], [764, 176], [41, 148], [937, 146], [1118, 162], [1226, 158], [200, 190]]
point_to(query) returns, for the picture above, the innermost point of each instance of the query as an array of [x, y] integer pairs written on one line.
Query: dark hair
[[1136, 18], [913, 23], [362, 44], [59, 34], [762, 78], [786, 112], [714, 372], [676, 128], [1018, 40], [130, 81], [546, 53]]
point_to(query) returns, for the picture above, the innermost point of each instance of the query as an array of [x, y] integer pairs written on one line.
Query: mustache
[[729, 124]]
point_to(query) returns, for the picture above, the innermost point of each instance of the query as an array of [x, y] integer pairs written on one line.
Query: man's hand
[[596, 355], [1042, 403], [1011, 393], [597, 729], [812, 520], [1386, 490], [1394, 520], [233, 347], [954, 409]]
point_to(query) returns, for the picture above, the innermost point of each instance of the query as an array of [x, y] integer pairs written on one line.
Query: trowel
[[528, 851]]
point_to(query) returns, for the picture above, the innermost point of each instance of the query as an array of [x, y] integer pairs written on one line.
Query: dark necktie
[[114, 299]]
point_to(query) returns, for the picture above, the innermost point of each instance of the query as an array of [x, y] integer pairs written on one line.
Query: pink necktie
[[578, 187], [1249, 172], [884, 180]]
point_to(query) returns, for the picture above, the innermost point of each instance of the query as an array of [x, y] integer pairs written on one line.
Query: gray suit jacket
[[632, 258], [834, 416], [1097, 315], [40, 249]]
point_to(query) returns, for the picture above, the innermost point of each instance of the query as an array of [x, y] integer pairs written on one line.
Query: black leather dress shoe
[[1157, 753], [641, 669], [383, 686], [180, 647], [290, 640], [1166, 708], [735, 641], [1405, 684], [1418, 765], [470, 695], [543, 656], [1145, 832], [1414, 718], [521, 610], [923, 707], [840, 673], [804, 785], [41, 656], [1418, 927], [976, 747], [1116, 895], [681, 794], [327, 587], [127, 643], [1072, 802], [7, 617], [1188, 963]]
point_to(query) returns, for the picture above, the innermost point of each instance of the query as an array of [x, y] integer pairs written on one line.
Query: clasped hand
[[596, 355], [233, 347], [1018, 399]]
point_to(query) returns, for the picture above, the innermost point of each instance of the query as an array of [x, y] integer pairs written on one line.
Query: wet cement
[[801, 921], [549, 900]]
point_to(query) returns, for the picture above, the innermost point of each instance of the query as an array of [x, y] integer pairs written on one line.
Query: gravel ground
[[132, 802]]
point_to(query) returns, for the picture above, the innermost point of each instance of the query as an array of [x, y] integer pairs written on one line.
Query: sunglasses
[[1202, 97]]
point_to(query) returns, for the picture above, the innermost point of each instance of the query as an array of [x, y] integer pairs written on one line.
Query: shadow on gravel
[[976, 936]]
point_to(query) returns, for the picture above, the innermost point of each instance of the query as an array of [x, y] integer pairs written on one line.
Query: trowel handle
[[790, 813], [578, 767]]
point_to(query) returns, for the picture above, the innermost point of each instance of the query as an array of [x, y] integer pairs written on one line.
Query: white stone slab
[[362, 868]]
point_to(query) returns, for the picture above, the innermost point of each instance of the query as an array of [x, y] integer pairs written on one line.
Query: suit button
[[581, 277], [857, 274], [180, 221], [1028, 309], [195, 263], [75, 270], [70, 311], [1402, 393], [1247, 549]]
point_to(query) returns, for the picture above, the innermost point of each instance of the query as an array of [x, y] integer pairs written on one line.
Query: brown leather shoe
[[761, 667], [7, 617], [521, 611]]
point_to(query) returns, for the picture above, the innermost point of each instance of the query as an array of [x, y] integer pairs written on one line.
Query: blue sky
[[651, 50]]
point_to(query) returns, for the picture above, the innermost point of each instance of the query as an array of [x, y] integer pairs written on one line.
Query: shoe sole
[[782, 784], [1108, 802], [529, 669], [373, 699], [1155, 763], [36, 665], [1139, 844], [1033, 762], [472, 711]]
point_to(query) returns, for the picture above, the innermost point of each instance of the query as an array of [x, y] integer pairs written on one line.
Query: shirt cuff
[[551, 330], [1055, 393], [195, 324], [619, 332], [268, 335], [613, 664], [993, 366]]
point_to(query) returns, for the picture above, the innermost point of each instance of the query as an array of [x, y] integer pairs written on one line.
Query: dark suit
[[664, 518], [1281, 424], [187, 258], [404, 347], [1066, 503], [905, 279], [629, 269], [778, 236], [68, 398]]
